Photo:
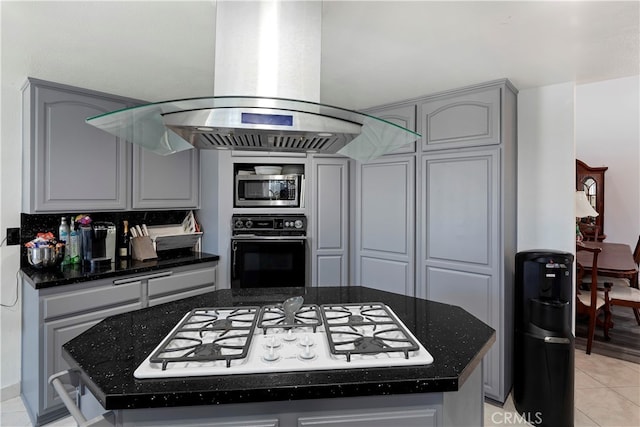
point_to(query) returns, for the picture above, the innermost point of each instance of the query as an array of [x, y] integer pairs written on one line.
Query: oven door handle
[[254, 238], [234, 248]]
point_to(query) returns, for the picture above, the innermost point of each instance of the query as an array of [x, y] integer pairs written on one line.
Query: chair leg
[[607, 321], [592, 328]]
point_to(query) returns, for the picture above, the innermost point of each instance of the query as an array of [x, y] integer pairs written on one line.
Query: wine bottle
[[124, 243]]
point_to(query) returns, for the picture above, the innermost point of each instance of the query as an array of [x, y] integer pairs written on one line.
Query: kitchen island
[[448, 391]]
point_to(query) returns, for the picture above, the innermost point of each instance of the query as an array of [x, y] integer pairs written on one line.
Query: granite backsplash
[[32, 224]]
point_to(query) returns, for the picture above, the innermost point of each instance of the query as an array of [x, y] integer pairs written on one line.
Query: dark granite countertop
[[107, 355], [66, 275]]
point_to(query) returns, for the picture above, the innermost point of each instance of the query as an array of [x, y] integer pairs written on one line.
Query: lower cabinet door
[[60, 331]]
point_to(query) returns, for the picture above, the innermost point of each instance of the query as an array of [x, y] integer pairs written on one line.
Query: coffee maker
[[98, 244]]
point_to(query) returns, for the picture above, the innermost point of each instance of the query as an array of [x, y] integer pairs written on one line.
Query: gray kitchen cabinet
[[165, 182], [70, 166], [465, 118], [53, 316], [182, 284], [385, 224], [468, 223], [402, 115], [330, 221], [460, 244], [461, 205]]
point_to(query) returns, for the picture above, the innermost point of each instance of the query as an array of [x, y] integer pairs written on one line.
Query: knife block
[[142, 248]]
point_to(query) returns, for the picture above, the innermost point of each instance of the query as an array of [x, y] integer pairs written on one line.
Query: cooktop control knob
[[238, 223], [248, 223], [298, 223]]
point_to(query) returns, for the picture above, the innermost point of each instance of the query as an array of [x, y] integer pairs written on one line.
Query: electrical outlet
[[13, 236]]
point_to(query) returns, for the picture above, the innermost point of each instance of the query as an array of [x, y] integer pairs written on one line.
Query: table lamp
[[583, 210]]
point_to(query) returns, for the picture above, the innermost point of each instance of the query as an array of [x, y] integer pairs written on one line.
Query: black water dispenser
[[543, 378]]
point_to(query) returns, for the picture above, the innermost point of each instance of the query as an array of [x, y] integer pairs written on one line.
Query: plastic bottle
[[63, 236], [73, 247]]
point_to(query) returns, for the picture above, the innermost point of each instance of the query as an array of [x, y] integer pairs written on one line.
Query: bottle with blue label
[[63, 237], [73, 247]]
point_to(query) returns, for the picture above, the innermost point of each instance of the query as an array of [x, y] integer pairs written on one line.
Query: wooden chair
[[590, 302], [622, 292]]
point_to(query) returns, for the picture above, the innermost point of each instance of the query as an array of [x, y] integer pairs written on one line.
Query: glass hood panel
[[254, 123]]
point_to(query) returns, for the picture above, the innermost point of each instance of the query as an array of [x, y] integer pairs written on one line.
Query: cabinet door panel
[[180, 295], [404, 116], [330, 270], [423, 418], [89, 299], [182, 282], [461, 207], [77, 167], [59, 332], [385, 224], [466, 120], [476, 294], [329, 242], [386, 275], [165, 182], [385, 205]]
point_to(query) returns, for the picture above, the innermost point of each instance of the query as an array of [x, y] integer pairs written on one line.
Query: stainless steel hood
[[267, 84]]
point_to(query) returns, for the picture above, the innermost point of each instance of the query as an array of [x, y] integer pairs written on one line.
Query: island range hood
[[267, 91]]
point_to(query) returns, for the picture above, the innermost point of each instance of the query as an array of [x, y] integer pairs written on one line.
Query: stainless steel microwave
[[268, 190]]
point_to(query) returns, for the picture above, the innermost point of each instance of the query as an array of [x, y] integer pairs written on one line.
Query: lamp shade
[[583, 207]]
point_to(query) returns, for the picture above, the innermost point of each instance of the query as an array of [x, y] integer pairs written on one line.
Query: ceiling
[[382, 51], [373, 52]]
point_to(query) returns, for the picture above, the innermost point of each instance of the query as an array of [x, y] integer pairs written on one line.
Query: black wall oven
[[268, 251]]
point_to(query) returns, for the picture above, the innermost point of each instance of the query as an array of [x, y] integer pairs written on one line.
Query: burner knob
[[248, 224], [298, 223], [238, 223]]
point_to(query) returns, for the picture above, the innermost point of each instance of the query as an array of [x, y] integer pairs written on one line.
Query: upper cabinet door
[[404, 116], [165, 182], [70, 165], [467, 120]]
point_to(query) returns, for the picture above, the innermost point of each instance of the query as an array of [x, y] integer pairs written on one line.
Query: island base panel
[[462, 408]]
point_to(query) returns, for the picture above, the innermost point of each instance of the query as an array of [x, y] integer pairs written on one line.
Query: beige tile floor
[[607, 394]]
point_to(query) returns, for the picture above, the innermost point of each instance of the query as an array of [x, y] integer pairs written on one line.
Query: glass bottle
[[124, 244]]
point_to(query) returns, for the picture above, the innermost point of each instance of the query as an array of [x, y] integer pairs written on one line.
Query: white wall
[[546, 168], [83, 47], [608, 134]]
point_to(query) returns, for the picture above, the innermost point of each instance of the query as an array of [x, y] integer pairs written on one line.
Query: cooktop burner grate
[[206, 334], [273, 316], [366, 330]]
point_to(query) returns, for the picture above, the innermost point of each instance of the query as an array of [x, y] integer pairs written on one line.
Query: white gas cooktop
[[245, 340]]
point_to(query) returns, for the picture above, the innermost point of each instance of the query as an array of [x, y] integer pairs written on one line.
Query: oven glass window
[[268, 264], [256, 261]]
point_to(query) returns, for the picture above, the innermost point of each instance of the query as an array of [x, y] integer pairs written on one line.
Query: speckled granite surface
[[108, 354], [66, 275]]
